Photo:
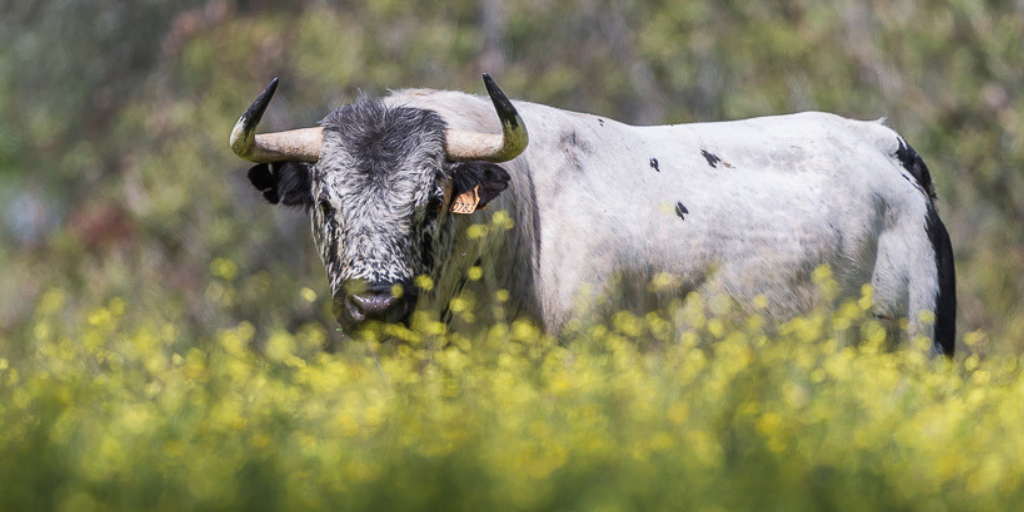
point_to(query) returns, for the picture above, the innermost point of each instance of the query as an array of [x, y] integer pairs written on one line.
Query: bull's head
[[379, 183]]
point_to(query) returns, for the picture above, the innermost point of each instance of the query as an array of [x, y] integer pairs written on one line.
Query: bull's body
[[746, 208]]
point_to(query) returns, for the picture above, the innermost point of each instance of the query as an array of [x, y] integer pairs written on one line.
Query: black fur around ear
[[283, 182], [491, 178]]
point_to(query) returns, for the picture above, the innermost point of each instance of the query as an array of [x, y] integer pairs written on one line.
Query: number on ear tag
[[466, 202]]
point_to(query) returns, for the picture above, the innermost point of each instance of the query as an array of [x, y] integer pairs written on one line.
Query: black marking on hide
[[654, 164], [600, 121], [681, 210], [569, 138], [576, 150], [711, 158], [945, 299], [913, 163]]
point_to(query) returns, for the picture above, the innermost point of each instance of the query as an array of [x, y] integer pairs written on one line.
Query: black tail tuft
[[945, 299], [913, 163]]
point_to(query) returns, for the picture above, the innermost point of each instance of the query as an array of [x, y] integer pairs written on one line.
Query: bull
[[744, 208]]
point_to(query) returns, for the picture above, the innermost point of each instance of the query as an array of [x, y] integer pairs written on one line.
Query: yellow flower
[[224, 268], [424, 282]]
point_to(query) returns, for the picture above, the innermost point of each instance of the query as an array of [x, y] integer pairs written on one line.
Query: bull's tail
[[945, 300], [944, 333]]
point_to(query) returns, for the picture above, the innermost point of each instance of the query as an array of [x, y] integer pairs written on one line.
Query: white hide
[[787, 194]]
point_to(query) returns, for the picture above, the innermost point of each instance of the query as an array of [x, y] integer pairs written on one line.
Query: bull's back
[[745, 207]]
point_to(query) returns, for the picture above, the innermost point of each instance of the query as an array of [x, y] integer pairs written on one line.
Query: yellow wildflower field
[[108, 409]]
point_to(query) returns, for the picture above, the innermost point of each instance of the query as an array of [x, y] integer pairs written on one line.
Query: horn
[[467, 145], [301, 145]]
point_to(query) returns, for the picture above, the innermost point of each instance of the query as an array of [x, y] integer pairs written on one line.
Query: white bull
[[748, 208]]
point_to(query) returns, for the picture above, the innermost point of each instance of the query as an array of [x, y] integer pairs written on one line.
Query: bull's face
[[379, 195]]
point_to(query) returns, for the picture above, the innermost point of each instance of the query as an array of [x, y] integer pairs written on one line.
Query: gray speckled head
[[378, 197]]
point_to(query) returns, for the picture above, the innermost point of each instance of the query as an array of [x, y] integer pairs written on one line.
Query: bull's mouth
[[376, 303]]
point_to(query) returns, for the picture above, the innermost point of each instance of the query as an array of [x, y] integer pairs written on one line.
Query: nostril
[[352, 310]]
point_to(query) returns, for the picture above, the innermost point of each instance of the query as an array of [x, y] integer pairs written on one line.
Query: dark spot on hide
[[569, 138], [713, 159], [600, 121], [681, 210], [654, 164], [576, 150]]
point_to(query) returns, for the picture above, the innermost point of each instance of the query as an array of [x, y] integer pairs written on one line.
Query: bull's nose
[[373, 301], [370, 305]]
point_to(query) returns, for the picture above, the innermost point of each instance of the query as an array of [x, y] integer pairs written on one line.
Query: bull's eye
[[434, 207], [326, 210]]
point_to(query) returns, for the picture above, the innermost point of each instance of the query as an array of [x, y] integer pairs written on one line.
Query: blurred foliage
[[113, 118], [140, 271]]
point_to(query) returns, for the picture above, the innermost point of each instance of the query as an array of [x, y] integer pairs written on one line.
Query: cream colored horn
[[302, 145], [466, 145]]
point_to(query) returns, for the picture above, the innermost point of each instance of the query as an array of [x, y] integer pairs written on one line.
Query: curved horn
[[301, 145], [465, 145]]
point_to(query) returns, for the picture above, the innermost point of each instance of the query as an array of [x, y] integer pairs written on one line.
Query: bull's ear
[[480, 181], [284, 182]]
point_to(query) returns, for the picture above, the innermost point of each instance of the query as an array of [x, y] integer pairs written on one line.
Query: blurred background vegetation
[[116, 178]]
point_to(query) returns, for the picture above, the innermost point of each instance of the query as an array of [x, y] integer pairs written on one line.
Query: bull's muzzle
[[373, 302]]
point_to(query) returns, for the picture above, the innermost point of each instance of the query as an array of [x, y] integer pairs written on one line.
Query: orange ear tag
[[466, 202]]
